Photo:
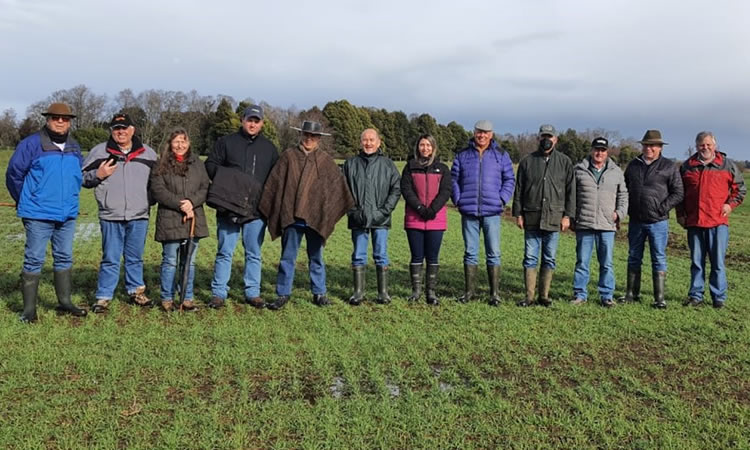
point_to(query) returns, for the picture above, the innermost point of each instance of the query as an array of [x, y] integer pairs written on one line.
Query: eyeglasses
[[599, 149], [59, 118]]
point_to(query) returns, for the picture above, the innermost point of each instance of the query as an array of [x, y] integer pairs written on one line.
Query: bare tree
[[8, 128], [88, 106]]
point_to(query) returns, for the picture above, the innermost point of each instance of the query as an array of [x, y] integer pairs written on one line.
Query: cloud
[[626, 65]]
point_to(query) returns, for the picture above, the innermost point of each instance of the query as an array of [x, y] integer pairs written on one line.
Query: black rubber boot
[[415, 270], [493, 276], [382, 274], [660, 280], [30, 286], [632, 288], [63, 289], [432, 273], [358, 273], [470, 283]]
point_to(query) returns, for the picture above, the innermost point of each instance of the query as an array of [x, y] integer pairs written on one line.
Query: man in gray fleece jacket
[[119, 170], [601, 202]]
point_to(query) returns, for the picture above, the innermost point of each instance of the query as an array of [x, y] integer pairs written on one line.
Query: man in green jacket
[[543, 203], [375, 185]]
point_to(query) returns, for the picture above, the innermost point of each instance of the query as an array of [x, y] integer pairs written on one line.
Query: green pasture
[[394, 376]]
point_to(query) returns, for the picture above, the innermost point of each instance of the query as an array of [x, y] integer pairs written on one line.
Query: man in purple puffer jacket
[[483, 183]]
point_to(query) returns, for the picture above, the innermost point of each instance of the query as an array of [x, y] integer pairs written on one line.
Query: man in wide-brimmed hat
[[305, 195], [714, 187], [655, 187], [46, 191], [118, 170]]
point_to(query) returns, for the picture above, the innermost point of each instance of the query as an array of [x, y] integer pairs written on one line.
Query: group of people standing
[[303, 193]]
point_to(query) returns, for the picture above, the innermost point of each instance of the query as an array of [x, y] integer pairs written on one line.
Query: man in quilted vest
[[601, 202]]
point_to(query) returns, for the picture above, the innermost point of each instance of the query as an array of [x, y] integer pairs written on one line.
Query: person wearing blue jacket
[[483, 182], [44, 179]]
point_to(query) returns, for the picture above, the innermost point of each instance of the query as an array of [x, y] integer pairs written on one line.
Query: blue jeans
[[424, 244], [171, 280], [490, 226], [38, 233], [657, 235], [533, 241], [712, 242], [604, 242], [121, 238], [360, 237], [290, 242], [228, 232]]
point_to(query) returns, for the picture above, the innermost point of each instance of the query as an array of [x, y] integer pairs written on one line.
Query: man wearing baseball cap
[[247, 158], [601, 202], [44, 179], [119, 170], [543, 204], [482, 178], [654, 188]]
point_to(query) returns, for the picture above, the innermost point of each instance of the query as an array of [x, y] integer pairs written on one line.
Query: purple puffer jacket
[[482, 187]]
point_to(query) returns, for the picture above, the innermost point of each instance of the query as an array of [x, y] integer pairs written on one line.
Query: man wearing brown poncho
[[305, 195]]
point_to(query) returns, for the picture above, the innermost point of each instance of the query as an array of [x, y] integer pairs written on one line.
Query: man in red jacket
[[713, 188]]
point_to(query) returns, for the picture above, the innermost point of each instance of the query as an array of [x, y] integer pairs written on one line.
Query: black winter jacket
[[653, 189], [252, 155], [168, 189], [374, 183]]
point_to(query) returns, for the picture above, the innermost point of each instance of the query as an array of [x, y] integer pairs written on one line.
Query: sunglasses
[[59, 118]]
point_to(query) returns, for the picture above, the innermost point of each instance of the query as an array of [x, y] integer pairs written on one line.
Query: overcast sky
[[627, 65]]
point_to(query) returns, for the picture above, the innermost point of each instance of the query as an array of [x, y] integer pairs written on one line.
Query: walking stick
[[186, 261]]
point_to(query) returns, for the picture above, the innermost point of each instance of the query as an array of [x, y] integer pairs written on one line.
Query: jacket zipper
[[479, 190], [426, 189]]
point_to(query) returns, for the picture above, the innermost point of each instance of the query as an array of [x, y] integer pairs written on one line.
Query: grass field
[[394, 376]]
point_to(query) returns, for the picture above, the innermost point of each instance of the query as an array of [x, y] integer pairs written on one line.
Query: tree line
[[155, 112]]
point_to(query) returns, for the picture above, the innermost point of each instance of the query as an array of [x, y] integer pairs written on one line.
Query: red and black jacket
[[707, 188]]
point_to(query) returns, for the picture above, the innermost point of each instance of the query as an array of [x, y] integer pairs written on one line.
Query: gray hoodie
[[595, 203], [124, 194]]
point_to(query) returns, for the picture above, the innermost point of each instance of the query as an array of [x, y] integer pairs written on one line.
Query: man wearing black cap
[[119, 170], [654, 187], [543, 204], [245, 157], [46, 191], [601, 202], [305, 195]]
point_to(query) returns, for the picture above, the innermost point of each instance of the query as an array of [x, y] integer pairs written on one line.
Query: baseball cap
[[600, 142], [547, 129], [253, 111], [120, 120]]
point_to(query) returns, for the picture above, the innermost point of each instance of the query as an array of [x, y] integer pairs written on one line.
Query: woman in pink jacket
[[426, 187]]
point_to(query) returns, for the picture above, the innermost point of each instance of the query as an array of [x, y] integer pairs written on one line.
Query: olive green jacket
[[545, 191]]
